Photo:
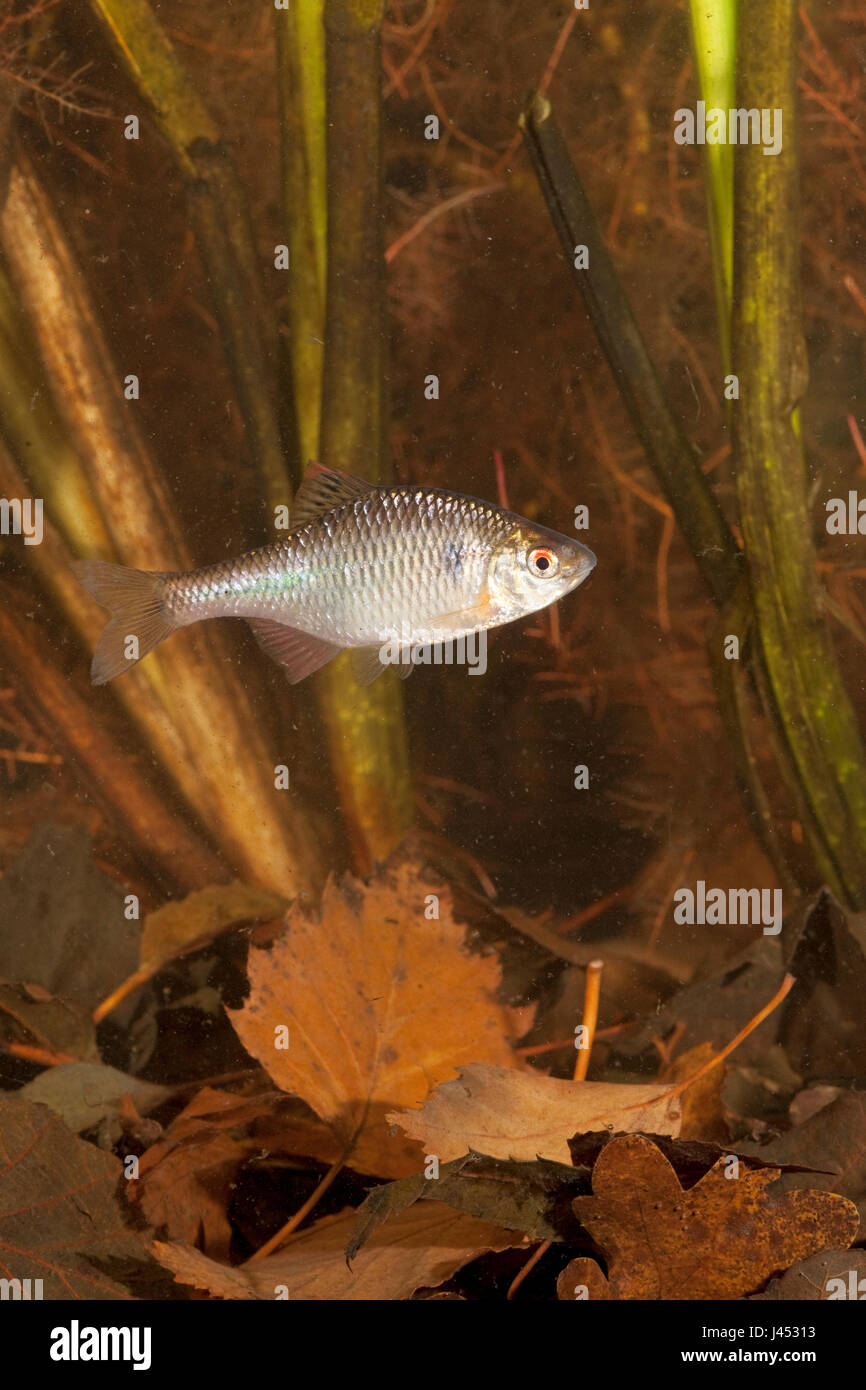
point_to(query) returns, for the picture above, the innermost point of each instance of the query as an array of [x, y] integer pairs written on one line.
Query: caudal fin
[[139, 621]]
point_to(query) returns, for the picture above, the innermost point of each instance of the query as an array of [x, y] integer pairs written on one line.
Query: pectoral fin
[[481, 614]]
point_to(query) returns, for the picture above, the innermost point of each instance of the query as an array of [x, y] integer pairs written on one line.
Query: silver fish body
[[363, 567]]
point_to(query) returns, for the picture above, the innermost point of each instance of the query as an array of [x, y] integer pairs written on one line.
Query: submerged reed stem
[[266, 840], [805, 690], [366, 732]]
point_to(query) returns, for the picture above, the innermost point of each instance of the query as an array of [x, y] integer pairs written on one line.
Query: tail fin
[[139, 621]]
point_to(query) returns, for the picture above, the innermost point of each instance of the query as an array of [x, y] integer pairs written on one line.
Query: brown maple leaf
[[722, 1238], [377, 1000]]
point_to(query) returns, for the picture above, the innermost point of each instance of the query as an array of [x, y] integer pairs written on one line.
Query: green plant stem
[[366, 731], [672, 459], [810, 703], [301, 76], [714, 38]]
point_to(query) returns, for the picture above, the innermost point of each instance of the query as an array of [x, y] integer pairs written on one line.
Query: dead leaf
[[810, 1100], [691, 1158], [197, 918], [824, 1034], [720, 1239], [534, 1198], [32, 1016], [811, 1279], [62, 923], [84, 1094], [756, 1097], [525, 1115], [833, 1140], [381, 1002], [703, 1114], [714, 1010], [186, 1177], [420, 1248], [59, 1217], [582, 1280]]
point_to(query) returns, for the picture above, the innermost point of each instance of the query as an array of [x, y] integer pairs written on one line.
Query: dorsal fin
[[323, 489]]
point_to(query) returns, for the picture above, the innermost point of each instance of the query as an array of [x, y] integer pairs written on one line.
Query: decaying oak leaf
[[421, 1248], [833, 1139], [200, 916], [377, 1001], [691, 1158], [186, 1177], [722, 1238], [525, 1115], [59, 1218], [582, 1281]]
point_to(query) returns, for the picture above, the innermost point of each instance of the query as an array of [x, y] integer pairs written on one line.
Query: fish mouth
[[580, 564]]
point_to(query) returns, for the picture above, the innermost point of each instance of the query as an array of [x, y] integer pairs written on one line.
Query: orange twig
[[588, 914], [138, 977], [303, 1212], [43, 1056], [783, 990], [530, 1265], [591, 996]]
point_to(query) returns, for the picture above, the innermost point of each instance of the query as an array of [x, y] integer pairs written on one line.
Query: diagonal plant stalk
[[253, 824], [809, 701], [714, 39], [156, 835], [222, 225], [670, 454], [365, 728], [34, 434], [676, 466], [182, 852]]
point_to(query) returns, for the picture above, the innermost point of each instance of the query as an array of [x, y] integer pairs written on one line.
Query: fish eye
[[542, 562]]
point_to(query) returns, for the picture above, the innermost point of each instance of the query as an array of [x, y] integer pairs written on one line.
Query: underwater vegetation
[[363, 322]]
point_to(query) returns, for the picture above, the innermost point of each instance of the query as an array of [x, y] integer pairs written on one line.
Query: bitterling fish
[[374, 569]]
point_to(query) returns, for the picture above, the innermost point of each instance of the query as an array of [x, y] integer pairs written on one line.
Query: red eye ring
[[542, 561]]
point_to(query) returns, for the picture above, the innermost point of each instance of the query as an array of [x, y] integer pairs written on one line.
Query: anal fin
[[299, 653]]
